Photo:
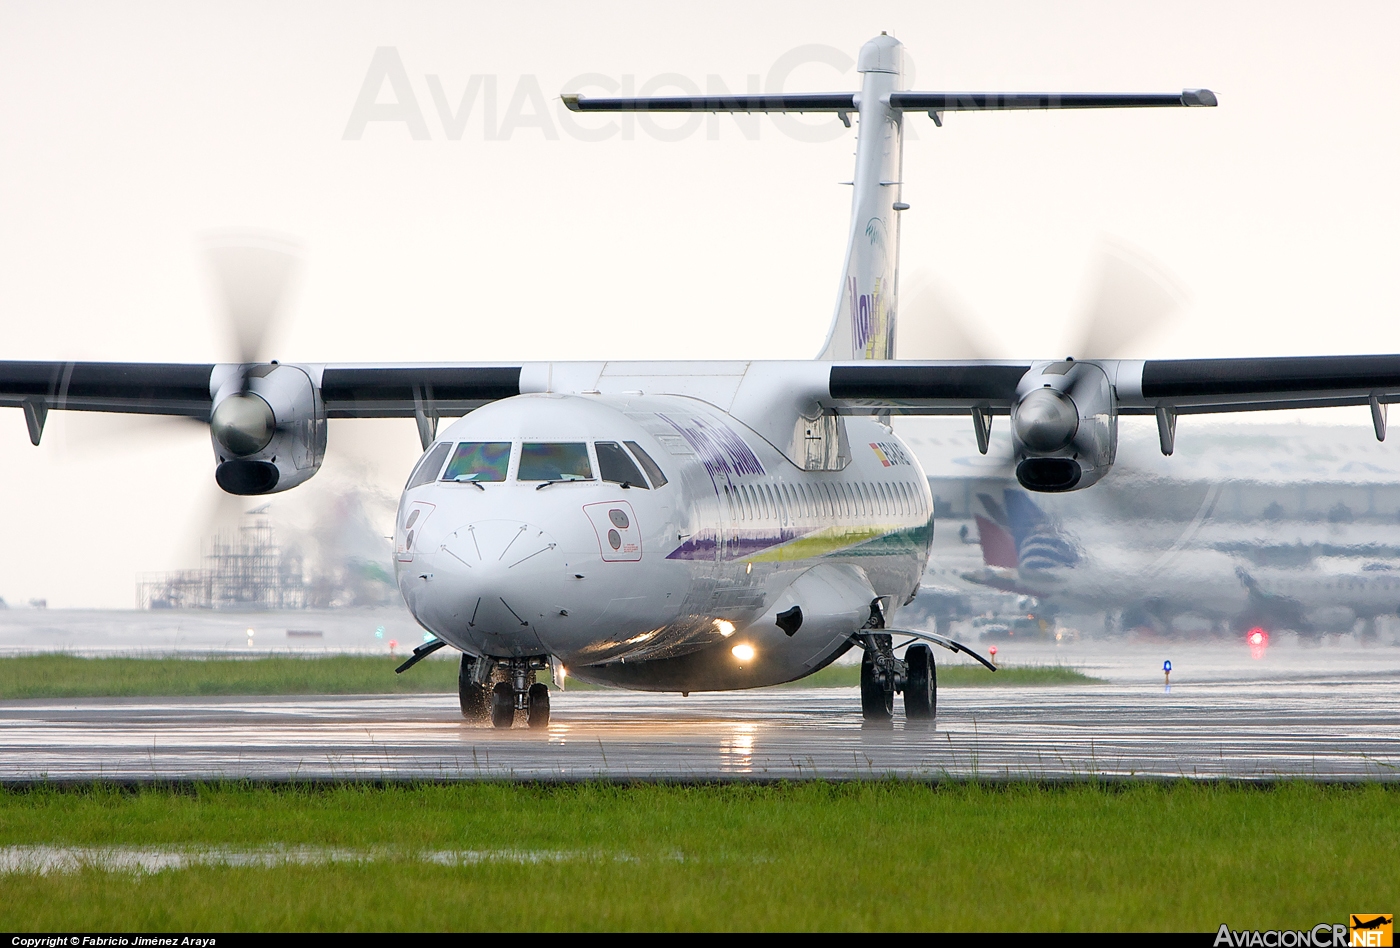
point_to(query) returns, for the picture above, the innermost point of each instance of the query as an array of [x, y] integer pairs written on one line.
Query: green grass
[[810, 856], [71, 676], [958, 676]]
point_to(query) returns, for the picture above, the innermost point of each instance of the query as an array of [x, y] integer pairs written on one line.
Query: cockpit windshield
[[554, 461], [616, 466], [478, 461]]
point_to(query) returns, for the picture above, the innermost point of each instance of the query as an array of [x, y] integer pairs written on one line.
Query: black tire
[[921, 685], [476, 706], [502, 705], [537, 708], [876, 702]]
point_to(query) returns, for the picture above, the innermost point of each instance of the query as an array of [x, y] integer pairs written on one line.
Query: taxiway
[[1318, 726]]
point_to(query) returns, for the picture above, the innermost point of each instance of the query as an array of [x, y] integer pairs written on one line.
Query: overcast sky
[[128, 131]]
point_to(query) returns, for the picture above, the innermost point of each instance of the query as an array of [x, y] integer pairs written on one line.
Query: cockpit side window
[[427, 470], [554, 461], [478, 461], [653, 470], [614, 465]]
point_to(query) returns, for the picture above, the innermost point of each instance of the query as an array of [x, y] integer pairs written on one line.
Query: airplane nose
[[506, 575]]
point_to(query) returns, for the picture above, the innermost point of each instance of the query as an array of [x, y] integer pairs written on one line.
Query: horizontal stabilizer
[[781, 102], [899, 101], [1003, 101]]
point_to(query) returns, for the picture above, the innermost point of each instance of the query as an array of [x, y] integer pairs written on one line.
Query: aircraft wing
[[1063, 433], [1184, 386], [349, 391]]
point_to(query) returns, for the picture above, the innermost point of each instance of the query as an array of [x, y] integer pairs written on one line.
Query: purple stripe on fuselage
[[738, 544]]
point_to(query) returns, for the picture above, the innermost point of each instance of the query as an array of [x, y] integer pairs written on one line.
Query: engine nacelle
[[268, 427], [1064, 426]]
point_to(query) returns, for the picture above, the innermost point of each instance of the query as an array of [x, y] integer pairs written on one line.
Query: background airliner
[[679, 526]]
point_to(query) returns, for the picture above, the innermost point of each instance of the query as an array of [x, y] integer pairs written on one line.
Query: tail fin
[[998, 546], [864, 324], [1040, 542], [867, 304]]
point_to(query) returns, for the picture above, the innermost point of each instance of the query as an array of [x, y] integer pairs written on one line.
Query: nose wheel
[[494, 690], [502, 705], [537, 705]]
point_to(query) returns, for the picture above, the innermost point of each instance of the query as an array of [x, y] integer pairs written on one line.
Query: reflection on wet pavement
[[1321, 725]]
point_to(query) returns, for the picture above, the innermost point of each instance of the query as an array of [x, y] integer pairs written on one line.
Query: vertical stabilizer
[[864, 324]]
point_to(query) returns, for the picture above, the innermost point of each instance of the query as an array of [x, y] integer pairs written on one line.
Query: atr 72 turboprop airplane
[[687, 526]]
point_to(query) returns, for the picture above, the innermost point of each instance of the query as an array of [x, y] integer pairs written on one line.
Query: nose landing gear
[[514, 689]]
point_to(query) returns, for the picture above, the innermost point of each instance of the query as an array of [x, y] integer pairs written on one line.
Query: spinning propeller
[[1132, 297]]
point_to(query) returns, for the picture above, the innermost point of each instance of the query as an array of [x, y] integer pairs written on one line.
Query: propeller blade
[[1132, 298], [933, 324], [254, 273]]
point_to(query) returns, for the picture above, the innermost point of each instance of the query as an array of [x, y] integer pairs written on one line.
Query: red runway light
[[1258, 641]]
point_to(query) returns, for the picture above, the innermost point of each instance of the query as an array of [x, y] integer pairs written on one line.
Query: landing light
[[726, 628], [1258, 637], [743, 652]]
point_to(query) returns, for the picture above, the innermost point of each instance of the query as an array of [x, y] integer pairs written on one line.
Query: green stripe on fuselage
[[855, 540]]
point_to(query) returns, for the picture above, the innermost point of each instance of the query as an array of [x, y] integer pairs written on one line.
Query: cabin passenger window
[[729, 499], [478, 461], [770, 504], [427, 470], [615, 465], [658, 479], [828, 505], [554, 461]]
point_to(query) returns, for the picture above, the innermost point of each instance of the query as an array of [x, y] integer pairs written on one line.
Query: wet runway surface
[[1320, 726]]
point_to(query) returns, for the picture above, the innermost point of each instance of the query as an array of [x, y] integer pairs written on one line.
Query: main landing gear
[[491, 690], [882, 675]]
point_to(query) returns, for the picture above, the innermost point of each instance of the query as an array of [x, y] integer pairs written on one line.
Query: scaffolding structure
[[245, 571]]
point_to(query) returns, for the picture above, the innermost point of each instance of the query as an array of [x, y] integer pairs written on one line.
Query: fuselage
[[653, 541]]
